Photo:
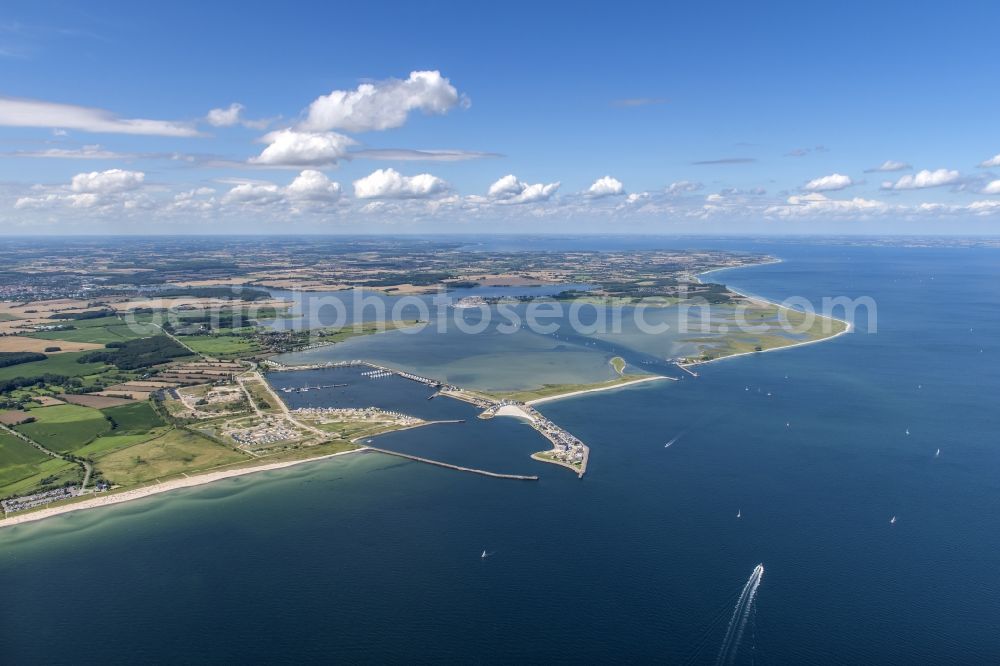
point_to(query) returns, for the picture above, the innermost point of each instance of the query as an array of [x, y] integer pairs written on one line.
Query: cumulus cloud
[[991, 162], [390, 184], [888, 166], [312, 185], [993, 187], [683, 187], [289, 147], [605, 187], [819, 204], [835, 181], [92, 190], [107, 182], [922, 179], [231, 115], [253, 194], [309, 187], [511, 190], [16, 112], [383, 104]]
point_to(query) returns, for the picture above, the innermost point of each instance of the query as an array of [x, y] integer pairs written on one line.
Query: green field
[[133, 419], [220, 345], [53, 472], [64, 428], [107, 443], [23, 467], [116, 332], [175, 452], [57, 364]]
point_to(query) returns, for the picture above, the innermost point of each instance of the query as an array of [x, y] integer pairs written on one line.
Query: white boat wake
[[741, 613]]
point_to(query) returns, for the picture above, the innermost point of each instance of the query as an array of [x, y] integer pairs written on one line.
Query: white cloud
[[253, 194], [924, 178], [383, 104], [835, 181], [409, 155], [511, 190], [201, 199], [993, 187], [605, 187], [683, 186], [390, 184], [819, 204], [15, 112], [890, 165], [231, 115], [107, 182], [985, 207], [311, 185], [992, 162], [288, 147], [92, 190], [90, 152]]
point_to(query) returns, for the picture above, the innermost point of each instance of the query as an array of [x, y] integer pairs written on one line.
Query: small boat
[[907, 431], [788, 425], [937, 453], [484, 555], [892, 521], [739, 513]]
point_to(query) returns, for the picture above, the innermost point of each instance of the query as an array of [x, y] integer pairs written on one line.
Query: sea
[[796, 459]]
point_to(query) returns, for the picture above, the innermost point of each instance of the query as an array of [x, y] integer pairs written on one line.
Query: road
[[88, 469]]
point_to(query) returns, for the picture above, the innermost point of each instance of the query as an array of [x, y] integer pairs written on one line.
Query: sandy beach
[[108, 499], [550, 398]]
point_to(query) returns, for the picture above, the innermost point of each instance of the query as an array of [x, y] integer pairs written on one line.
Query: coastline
[[167, 486], [848, 326], [571, 394]]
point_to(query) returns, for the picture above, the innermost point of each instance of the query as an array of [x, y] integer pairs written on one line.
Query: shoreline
[[163, 487], [848, 326], [571, 394]]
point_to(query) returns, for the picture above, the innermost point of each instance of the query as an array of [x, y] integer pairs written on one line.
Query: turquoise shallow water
[[371, 559]]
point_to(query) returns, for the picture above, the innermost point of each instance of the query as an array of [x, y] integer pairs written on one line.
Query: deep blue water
[[372, 559]]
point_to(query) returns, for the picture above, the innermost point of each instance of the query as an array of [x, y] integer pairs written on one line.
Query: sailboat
[[484, 555], [892, 521], [739, 513], [937, 453], [907, 431]]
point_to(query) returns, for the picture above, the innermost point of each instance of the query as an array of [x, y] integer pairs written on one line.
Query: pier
[[687, 370], [483, 472]]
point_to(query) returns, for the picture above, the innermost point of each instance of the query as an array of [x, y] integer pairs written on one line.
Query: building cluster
[[327, 414], [38, 499], [566, 447], [269, 431], [469, 302]]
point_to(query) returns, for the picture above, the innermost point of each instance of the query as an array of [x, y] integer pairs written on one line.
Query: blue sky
[[654, 118]]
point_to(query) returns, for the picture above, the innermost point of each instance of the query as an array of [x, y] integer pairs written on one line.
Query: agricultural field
[[139, 417], [57, 364], [98, 331], [23, 467], [64, 428]]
